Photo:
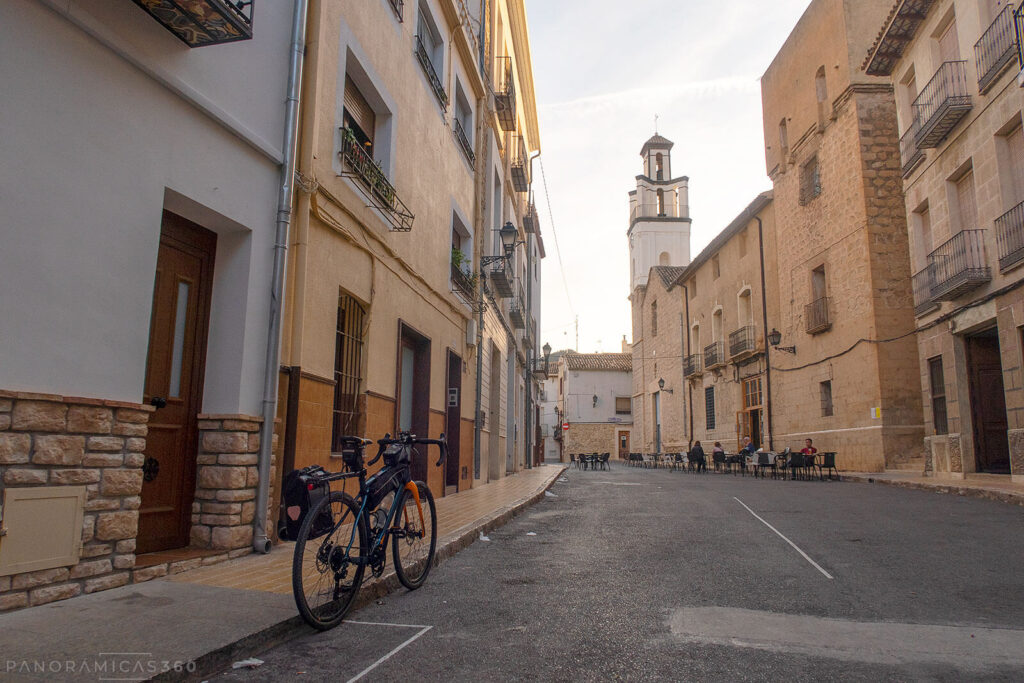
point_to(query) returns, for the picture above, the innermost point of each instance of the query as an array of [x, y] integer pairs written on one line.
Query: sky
[[602, 70]]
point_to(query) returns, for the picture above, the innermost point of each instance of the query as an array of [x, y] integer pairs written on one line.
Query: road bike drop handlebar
[[407, 439]]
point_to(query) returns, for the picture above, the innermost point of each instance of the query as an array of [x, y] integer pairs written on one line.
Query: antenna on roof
[[655, 124]]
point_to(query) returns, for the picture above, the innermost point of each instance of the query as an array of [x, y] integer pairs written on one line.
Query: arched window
[[663, 259], [658, 165], [661, 203]]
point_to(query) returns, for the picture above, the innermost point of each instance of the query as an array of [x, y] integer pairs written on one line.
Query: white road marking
[[423, 629], [795, 546], [617, 483]]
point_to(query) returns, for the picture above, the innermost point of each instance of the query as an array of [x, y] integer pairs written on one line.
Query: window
[[358, 116], [623, 405], [826, 398], [716, 326], [938, 391], [1015, 156], [659, 168], [752, 392], [348, 353], [922, 225], [744, 311], [716, 269], [693, 287], [907, 95], [967, 205], [654, 318], [695, 338], [661, 202], [431, 37], [709, 408], [949, 45], [810, 180], [819, 285], [462, 122], [663, 259]]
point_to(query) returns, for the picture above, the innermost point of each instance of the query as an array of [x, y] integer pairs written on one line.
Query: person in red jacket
[[808, 449]]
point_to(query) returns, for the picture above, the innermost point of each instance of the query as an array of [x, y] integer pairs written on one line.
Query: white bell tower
[[659, 214]]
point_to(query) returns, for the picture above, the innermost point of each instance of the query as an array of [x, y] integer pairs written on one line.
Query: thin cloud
[[713, 87]]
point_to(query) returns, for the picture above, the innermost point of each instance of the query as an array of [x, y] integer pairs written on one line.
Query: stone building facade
[[418, 129], [955, 68], [729, 300], [844, 295], [136, 277], [594, 400]]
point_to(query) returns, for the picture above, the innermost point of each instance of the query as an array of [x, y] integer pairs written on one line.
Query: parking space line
[[795, 546], [423, 629]]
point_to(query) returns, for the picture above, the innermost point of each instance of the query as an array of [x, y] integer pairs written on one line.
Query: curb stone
[[216, 661], [952, 489]]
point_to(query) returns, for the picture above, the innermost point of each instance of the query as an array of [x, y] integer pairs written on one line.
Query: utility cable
[[551, 218]]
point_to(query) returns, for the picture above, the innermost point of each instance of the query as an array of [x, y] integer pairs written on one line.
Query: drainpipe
[[260, 541], [689, 385], [529, 319], [764, 337]]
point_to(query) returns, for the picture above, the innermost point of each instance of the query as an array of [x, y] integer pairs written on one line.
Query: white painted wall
[[580, 388], [96, 148]]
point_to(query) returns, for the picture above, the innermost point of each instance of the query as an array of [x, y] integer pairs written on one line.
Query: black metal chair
[[573, 462], [765, 461], [719, 461], [797, 465], [827, 462]]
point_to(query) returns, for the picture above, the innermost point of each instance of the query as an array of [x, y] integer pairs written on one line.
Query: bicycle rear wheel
[[413, 542], [326, 569]]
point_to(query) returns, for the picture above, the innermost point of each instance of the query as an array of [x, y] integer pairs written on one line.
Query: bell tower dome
[[659, 214]]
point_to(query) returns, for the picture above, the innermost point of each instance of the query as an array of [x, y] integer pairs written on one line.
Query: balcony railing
[[203, 22], [399, 7], [500, 275], [1018, 25], [505, 94], [942, 103], [816, 315], [996, 49], [357, 163], [460, 135], [541, 368], [923, 301], [959, 265], [428, 69], [517, 311], [1010, 237], [519, 165], [530, 223], [463, 284], [714, 355], [692, 365], [743, 342], [527, 339], [911, 154]]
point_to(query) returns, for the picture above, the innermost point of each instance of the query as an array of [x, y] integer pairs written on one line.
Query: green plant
[[458, 258]]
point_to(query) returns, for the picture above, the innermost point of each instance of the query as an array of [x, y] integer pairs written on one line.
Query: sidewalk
[[206, 618], [989, 486]]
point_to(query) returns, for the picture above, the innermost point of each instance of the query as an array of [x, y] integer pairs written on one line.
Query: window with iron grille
[[826, 398], [938, 391], [348, 355], [709, 407], [623, 405], [810, 180]]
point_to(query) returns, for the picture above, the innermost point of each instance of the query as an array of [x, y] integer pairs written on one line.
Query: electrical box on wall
[[471, 332], [42, 528]]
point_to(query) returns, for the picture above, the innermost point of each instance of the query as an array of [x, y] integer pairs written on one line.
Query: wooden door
[[623, 445], [453, 420], [988, 404], [174, 381]]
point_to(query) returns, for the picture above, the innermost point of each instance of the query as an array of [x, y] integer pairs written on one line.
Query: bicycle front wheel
[[414, 540], [326, 567]]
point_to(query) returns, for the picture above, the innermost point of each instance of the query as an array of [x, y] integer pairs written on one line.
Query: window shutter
[[1015, 141], [359, 109], [949, 48], [968, 204]]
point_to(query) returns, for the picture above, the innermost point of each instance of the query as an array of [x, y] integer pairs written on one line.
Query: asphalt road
[[654, 575]]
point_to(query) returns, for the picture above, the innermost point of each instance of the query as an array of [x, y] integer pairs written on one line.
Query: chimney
[[626, 346]]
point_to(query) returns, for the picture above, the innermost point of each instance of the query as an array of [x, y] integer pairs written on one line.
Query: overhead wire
[[551, 221]]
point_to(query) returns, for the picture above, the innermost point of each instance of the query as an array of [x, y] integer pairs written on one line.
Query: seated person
[[697, 457], [808, 449]]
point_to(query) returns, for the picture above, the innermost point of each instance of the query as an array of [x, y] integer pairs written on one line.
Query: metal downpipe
[[260, 539]]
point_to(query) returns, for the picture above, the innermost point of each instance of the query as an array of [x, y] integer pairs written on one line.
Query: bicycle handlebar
[[409, 439]]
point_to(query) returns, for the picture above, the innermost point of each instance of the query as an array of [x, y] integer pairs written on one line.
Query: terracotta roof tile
[[622, 362]]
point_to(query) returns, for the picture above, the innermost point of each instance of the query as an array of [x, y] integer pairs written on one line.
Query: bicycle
[[341, 536]]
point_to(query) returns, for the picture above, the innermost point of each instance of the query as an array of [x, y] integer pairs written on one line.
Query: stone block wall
[[49, 440], [226, 480]]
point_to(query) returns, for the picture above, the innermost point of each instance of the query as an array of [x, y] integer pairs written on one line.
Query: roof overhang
[[899, 30]]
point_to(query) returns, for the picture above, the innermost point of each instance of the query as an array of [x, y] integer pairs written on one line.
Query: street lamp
[[508, 235], [774, 337], [547, 356], [661, 386]]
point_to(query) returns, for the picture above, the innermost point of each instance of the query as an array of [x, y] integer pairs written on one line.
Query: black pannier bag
[[299, 498], [397, 454], [381, 484]]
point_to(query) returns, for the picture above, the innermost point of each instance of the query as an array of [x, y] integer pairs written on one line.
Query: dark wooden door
[[623, 445], [988, 404], [174, 374], [453, 419]]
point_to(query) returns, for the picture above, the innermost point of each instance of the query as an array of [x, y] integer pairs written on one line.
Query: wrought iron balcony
[[911, 154], [460, 135], [541, 368], [203, 22], [941, 104], [519, 165], [530, 217], [358, 164], [517, 312], [428, 69], [923, 301], [1010, 237], [996, 49], [399, 7], [527, 338], [505, 94], [743, 342], [500, 276], [714, 355], [959, 265], [816, 315], [692, 366], [463, 284]]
